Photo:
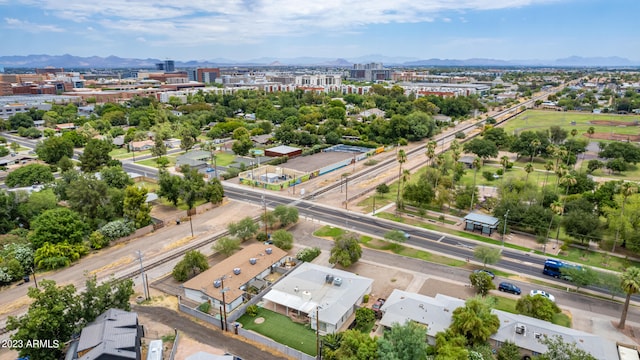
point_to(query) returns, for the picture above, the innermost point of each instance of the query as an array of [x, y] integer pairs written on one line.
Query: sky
[[185, 30]]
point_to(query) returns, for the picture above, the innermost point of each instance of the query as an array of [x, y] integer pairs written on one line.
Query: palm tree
[[558, 209], [630, 283], [548, 166], [402, 158], [528, 168], [406, 175], [627, 189], [440, 161], [535, 143], [431, 151], [574, 132], [504, 161], [477, 164], [560, 172], [211, 147]]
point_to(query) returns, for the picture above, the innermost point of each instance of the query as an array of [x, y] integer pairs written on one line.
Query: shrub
[[460, 135], [487, 175], [365, 298], [308, 254], [262, 237], [117, 229], [252, 310], [204, 307]]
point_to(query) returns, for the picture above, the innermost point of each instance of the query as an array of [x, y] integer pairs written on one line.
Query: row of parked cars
[[513, 289]]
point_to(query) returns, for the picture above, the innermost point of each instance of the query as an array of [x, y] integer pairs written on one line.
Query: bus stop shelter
[[485, 223]]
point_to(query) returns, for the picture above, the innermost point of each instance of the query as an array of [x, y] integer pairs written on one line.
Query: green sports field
[[542, 120]]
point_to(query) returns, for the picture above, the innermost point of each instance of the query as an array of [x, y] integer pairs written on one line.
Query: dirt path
[[207, 335]]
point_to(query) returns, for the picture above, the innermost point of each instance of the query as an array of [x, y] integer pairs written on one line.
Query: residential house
[[65, 126], [235, 274], [141, 145], [436, 314], [196, 159], [327, 297], [114, 335]]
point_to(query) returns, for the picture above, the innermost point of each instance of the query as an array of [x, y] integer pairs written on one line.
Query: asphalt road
[[303, 235]]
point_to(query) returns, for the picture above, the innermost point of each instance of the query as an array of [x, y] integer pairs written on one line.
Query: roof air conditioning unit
[[538, 335], [252, 261], [217, 284], [520, 329], [236, 271], [268, 251], [328, 279], [337, 281]]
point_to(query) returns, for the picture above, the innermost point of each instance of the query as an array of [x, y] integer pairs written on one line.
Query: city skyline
[[251, 29]]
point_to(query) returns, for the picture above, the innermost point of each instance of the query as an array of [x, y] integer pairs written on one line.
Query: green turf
[[281, 329]]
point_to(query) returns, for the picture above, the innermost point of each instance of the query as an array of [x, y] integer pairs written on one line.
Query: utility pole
[[34, 278], [346, 192], [264, 205], [504, 231], [318, 333], [144, 282], [224, 304]]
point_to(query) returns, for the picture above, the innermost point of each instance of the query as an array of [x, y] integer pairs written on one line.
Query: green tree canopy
[[193, 263], [403, 342], [286, 214], [538, 306], [95, 155], [30, 175], [226, 246], [558, 349], [475, 321], [52, 149], [487, 254], [56, 226], [135, 206], [346, 250], [244, 229], [282, 239]]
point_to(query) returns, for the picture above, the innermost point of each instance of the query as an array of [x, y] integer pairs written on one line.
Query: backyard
[[281, 329]]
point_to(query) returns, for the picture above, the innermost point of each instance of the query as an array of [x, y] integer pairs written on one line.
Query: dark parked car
[[492, 275], [510, 288]]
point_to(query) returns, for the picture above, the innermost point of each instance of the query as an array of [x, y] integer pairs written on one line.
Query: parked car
[[510, 288], [543, 293], [378, 304], [405, 234], [491, 274]]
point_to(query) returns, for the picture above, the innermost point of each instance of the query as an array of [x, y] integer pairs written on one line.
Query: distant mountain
[[70, 61]]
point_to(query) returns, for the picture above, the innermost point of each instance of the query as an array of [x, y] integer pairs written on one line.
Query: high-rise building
[[166, 66]]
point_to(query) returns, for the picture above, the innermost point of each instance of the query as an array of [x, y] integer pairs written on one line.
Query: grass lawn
[[181, 204], [541, 120], [281, 329], [224, 159], [329, 231]]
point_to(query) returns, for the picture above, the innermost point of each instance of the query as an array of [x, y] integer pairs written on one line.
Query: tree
[[403, 342], [509, 351], [282, 239], [135, 206], [65, 164], [226, 246], [170, 186], [242, 146], [346, 250], [396, 236], [580, 276], [244, 229], [355, 345], [30, 175], [52, 149], [193, 263], [451, 346], [402, 158], [582, 225], [528, 169], [95, 155], [91, 198], [57, 312], [116, 177], [159, 148], [474, 321], [591, 130], [308, 254], [482, 282], [477, 164], [538, 306], [482, 148], [630, 283], [487, 254], [364, 318], [611, 282], [20, 120], [431, 151], [286, 214], [56, 226], [558, 349], [213, 191], [191, 186]]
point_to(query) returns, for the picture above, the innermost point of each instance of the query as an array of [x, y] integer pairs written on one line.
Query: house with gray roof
[[196, 159], [436, 313], [309, 290], [114, 335]]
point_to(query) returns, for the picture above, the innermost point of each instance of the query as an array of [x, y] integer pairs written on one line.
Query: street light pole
[[318, 333], [504, 231]]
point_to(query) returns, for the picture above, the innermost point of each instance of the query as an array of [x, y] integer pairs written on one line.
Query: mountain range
[[70, 61]]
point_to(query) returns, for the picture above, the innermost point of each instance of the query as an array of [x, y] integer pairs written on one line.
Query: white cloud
[[13, 23], [247, 21]]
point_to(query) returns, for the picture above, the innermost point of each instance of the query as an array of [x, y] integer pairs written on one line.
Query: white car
[[543, 293]]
